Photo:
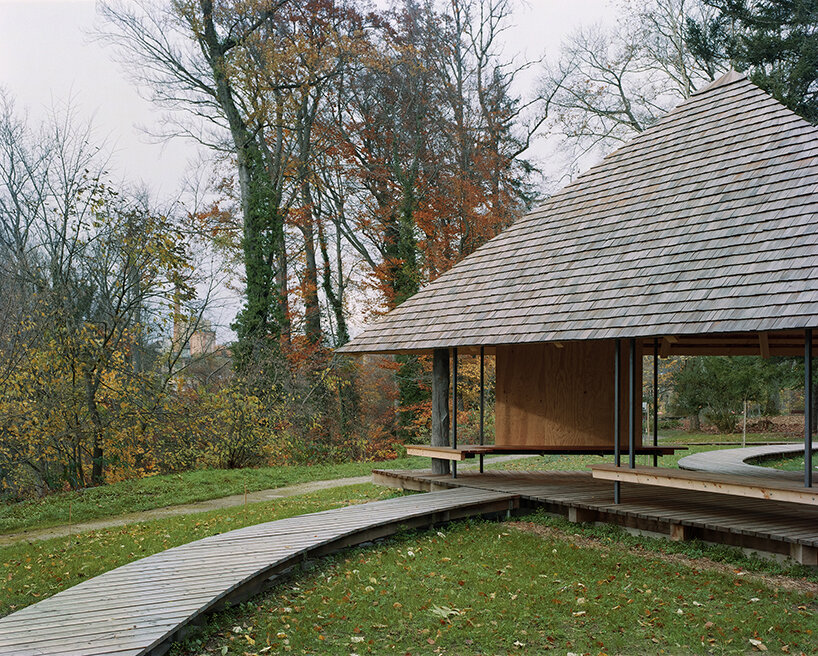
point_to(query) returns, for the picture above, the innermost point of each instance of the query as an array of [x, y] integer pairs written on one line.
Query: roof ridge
[[728, 78]]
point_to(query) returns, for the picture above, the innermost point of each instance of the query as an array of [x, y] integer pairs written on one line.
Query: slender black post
[[808, 409], [617, 365], [482, 399], [632, 405], [454, 408], [655, 399]]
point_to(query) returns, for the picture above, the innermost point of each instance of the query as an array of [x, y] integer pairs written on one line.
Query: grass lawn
[[566, 463], [678, 436], [527, 587], [159, 491], [31, 572], [172, 489], [786, 463]]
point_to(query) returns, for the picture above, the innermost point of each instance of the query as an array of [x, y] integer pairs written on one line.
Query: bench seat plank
[[755, 487], [471, 450]]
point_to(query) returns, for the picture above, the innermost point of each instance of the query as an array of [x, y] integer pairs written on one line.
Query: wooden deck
[[140, 608], [762, 525]]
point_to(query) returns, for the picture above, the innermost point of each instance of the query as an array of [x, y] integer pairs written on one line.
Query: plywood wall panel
[[549, 396]]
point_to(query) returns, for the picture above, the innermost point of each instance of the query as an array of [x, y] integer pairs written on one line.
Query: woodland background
[[357, 153]]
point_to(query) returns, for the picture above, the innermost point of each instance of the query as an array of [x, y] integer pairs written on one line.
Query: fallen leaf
[[444, 611]]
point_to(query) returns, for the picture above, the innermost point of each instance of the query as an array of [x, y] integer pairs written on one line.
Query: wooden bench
[[471, 450], [754, 487]]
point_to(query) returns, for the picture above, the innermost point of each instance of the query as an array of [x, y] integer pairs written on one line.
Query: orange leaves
[[220, 224]]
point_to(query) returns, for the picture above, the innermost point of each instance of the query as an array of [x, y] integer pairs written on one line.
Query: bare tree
[[88, 271], [611, 83]]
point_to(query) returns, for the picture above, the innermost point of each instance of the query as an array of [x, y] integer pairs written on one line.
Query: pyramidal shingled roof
[[704, 223]]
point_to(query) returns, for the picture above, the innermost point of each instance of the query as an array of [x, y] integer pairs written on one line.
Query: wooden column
[[482, 400], [632, 403], [617, 420], [440, 407], [655, 399], [454, 409]]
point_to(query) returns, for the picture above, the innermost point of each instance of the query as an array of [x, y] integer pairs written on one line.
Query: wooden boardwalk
[[769, 526], [141, 607]]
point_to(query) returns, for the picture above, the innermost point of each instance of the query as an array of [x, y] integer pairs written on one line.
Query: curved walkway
[[140, 607], [733, 461]]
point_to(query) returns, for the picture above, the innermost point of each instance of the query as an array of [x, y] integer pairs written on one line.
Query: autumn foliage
[[358, 154]]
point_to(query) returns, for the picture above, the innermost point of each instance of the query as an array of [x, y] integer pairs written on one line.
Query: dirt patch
[[774, 581]]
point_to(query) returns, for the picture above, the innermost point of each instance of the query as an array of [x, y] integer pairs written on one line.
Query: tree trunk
[[404, 281], [440, 407], [335, 295], [264, 314], [283, 290], [97, 454], [313, 309]]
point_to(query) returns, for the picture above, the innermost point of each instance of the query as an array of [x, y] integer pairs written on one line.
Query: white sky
[[47, 56]]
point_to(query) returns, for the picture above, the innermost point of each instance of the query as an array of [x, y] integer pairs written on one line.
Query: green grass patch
[[784, 463], [608, 534], [679, 436], [33, 571], [580, 462], [172, 489], [488, 588]]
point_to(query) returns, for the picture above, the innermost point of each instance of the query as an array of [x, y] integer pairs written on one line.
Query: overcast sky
[[47, 56]]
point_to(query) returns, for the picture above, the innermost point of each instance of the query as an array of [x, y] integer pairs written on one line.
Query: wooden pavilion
[[698, 237]]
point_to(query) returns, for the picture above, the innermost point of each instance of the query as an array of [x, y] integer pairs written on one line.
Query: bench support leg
[[678, 533], [804, 554], [581, 515]]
